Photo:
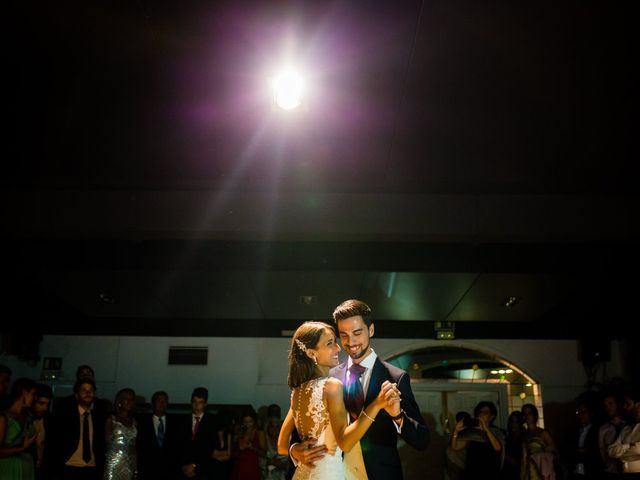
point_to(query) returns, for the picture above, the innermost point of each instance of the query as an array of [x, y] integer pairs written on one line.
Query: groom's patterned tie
[[355, 395]]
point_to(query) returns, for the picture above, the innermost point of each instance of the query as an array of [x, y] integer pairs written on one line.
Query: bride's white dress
[[311, 417], [312, 421]]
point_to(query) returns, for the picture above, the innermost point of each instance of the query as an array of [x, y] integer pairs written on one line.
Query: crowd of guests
[[604, 445], [88, 438]]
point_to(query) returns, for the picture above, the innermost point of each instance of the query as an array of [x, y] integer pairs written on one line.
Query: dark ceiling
[[450, 155]]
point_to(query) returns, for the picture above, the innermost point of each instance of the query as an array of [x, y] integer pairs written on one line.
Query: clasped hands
[[389, 398]]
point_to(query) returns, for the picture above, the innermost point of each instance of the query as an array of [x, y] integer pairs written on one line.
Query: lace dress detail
[[311, 394], [311, 417]]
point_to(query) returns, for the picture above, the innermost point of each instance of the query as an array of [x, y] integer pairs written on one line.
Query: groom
[[379, 445]]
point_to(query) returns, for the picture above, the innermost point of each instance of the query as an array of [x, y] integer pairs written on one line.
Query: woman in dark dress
[[513, 447]]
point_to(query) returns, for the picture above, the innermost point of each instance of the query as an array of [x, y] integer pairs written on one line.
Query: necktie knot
[[357, 370]]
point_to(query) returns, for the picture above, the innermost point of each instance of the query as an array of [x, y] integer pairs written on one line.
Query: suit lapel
[[375, 382]]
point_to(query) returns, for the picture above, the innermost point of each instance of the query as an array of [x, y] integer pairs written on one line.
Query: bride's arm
[[285, 433], [348, 435]]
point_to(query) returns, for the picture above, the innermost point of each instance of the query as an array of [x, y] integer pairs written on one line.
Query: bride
[[317, 406]]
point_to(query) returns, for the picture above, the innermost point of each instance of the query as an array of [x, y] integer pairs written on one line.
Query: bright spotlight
[[288, 90]]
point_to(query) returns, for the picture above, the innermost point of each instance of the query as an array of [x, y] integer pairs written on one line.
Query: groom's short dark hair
[[352, 308]]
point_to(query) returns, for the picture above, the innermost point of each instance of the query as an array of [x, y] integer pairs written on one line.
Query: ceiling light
[[523, 395], [494, 372], [501, 371], [510, 302], [288, 90], [508, 370], [106, 298], [308, 299], [529, 385]]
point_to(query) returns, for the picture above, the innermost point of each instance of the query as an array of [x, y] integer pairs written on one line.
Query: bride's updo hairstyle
[[301, 367]]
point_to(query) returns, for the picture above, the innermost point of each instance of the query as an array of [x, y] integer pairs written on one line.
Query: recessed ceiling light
[[106, 298], [494, 372], [308, 299], [510, 302]]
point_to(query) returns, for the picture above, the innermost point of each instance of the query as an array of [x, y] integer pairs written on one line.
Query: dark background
[[450, 155]]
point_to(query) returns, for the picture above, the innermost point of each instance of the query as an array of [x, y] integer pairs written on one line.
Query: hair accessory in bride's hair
[[301, 345]]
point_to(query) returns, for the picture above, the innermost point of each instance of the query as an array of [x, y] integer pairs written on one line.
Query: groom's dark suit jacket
[[379, 444]]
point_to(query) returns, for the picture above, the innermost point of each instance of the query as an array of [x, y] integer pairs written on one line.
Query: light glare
[[288, 88]]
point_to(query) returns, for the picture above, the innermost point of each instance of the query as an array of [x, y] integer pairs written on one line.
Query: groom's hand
[[308, 452], [392, 395]]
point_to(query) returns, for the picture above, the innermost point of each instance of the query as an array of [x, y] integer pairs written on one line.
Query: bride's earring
[[315, 360]]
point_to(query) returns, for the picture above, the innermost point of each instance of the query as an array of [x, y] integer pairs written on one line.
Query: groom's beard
[[361, 352]]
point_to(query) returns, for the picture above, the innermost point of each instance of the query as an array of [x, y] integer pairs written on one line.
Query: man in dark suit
[[156, 444], [586, 462], [197, 436], [77, 440], [379, 445]]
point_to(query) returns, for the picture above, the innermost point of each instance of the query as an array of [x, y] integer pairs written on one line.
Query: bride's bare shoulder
[[333, 386]]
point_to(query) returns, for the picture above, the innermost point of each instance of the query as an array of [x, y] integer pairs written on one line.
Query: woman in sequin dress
[[120, 459]]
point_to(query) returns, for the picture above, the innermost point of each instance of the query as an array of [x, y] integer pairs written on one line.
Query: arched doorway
[[448, 379]]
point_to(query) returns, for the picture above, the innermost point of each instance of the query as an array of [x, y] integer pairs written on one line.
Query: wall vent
[[188, 355]]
